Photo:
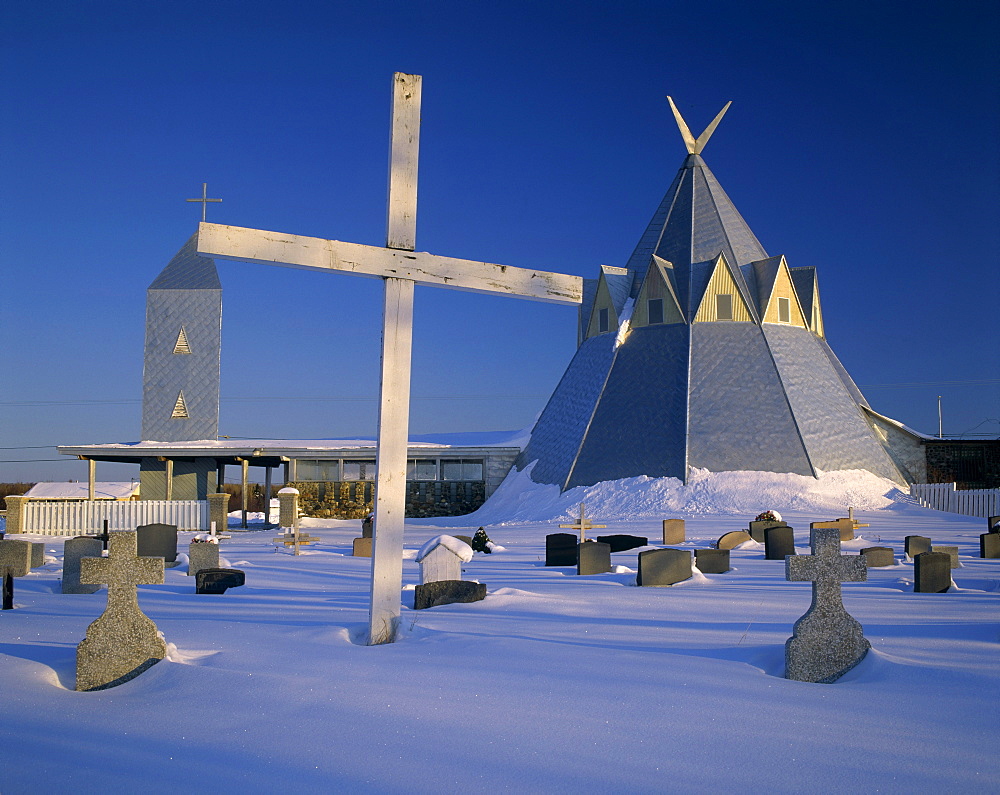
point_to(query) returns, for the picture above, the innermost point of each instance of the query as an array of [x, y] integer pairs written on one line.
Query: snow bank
[[520, 499]]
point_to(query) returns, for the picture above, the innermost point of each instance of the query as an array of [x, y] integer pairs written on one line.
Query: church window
[[784, 310], [462, 469], [603, 321], [318, 470], [182, 346], [421, 469], [359, 470], [724, 306], [654, 308]]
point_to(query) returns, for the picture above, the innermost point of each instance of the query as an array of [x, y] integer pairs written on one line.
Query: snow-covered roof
[[461, 550], [103, 490]]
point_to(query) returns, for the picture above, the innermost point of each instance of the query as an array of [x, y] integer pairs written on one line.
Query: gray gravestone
[[914, 545], [827, 641], [932, 572], [659, 567], [673, 531], [712, 561], [733, 539], [466, 539], [15, 561], [758, 529], [202, 555], [123, 642], [989, 545], [218, 580], [560, 549], [367, 527], [951, 552], [877, 557], [73, 550], [623, 543], [446, 592], [157, 541], [362, 548], [37, 554], [779, 541], [593, 557]]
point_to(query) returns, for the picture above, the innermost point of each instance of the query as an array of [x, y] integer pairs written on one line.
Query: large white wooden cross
[[401, 268]]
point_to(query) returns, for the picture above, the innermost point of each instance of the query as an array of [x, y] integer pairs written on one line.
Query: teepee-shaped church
[[703, 352]]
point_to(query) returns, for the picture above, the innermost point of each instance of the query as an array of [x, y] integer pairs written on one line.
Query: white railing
[[64, 517], [944, 497]]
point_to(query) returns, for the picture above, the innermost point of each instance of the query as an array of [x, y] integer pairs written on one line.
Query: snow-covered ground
[[554, 683]]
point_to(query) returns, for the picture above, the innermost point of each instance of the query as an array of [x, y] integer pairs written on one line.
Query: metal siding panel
[[836, 434], [639, 425], [742, 242], [556, 437], [739, 416], [841, 371]]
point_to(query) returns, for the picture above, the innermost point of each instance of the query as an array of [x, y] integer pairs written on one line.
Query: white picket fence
[[63, 517], [944, 497]]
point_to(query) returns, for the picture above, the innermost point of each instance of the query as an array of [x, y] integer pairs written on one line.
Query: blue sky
[[863, 140]]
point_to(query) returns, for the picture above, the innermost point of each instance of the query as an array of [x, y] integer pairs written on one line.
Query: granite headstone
[[216, 581], [673, 531], [989, 545], [623, 543], [877, 557], [560, 549], [660, 567], [932, 572], [712, 561], [15, 561], [779, 541], [157, 540], [73, 551], [914, 545], [733, 539], [593, 557], [446, 592], [951, 552], [202, 555]]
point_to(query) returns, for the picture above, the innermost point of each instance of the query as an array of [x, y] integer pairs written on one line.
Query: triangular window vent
[[180, 411], [181, 346]]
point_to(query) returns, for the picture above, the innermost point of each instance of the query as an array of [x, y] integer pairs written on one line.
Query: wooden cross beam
[[583, 526], [400, 267]]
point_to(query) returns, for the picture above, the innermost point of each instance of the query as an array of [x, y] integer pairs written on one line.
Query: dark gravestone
[[673, 531], [218, 580], [712, 561], [73, 551], [758, 529], [914, 545], [367, 527], [876, 557], [989, 545], [446, 592], [560, 549], [623, 543], [951, 552], [932, 572], [658, 567], [37, 554], [593, 557], [15, 561], [157, 541], [778, 542], [733, 539], [466, 539], [993, 524]]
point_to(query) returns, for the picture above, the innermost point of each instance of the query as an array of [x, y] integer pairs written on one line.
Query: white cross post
[[400, 267]]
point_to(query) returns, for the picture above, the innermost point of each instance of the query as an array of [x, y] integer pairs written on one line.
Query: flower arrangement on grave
[[769, 516], [203, 539], [481, 542]]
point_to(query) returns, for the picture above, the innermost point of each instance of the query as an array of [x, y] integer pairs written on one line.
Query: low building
[[121, 491]]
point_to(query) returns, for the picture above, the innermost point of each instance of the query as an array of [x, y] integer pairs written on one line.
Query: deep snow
[[553, 683]]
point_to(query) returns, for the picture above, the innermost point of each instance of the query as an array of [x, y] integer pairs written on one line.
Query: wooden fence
[[63, 517], [944, 497]]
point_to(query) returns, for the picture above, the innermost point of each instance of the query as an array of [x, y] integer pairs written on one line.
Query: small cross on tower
[[204, 200], [123, 642], [583, 526], [826, 642]]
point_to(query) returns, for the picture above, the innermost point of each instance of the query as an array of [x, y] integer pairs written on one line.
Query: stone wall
[[356, 499]]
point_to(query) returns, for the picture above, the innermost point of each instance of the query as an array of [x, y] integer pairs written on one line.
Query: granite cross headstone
[[15, 561], [826, 642], [123, 642], [73, 550]]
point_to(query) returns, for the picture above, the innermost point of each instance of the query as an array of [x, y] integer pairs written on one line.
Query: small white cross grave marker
[[826, 642], [123, 642], [294, 538], [400, 268], [583, 525]]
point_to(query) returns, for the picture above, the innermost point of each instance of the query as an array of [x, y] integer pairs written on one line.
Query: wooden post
[[267, 497], [91, 477], [170, 479], [220, 477], [394, 389], [244, 471]]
